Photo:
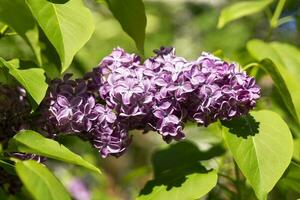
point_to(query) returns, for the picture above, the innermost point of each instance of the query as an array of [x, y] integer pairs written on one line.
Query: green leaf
[[40, 182], [282, 54], [32, 79], [17, 15], [261, 50], [132, 17], [181, 176], [263, 157], [241, 9], [68, 25], [32, 142], [281, 86], [195, 186]]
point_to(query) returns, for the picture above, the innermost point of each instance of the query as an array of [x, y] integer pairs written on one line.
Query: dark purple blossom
[[110, 139], [15, 115], [14, 111]]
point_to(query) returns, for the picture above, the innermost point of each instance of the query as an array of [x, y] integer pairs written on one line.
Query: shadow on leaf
[[173, 166], [58, 1], [243, 126]]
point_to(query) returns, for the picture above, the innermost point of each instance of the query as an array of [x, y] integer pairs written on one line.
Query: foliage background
[[191, 27]]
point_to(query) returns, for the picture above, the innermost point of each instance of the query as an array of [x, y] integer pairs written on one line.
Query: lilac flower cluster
[[161, 94], [72, 108]]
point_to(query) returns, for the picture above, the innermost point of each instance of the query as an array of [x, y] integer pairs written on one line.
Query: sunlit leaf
[[33, 142], [67, 24], [264, 156], [241, 9], [40, 182]]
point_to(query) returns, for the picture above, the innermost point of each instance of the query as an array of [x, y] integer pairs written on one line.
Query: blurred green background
[[189, 26]]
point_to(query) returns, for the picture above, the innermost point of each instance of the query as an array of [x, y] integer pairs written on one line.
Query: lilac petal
[[126, 98], [63, 101], [187, 87], [91, 101], [120, 88], [172, 87], [159, 114], [99, 108], [78, 116], [160, 82], [137, 89], [64, 114], [172, 118], [111, 117], [76, 101], [93, 116]]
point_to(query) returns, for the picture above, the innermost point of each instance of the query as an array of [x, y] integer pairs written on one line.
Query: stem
[[274, 20], [250, 65], [254, 71], [276, 15]]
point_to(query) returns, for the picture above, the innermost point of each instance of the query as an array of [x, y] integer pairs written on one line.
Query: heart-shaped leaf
[[67, 24], [262, 157]]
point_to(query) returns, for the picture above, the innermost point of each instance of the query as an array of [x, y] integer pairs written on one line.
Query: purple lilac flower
[[170, 88], [110, 139], [70, 107], [124, 88], [223, 90], [164, 92]]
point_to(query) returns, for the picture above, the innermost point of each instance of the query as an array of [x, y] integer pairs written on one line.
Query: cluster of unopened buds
[[160, 94]]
